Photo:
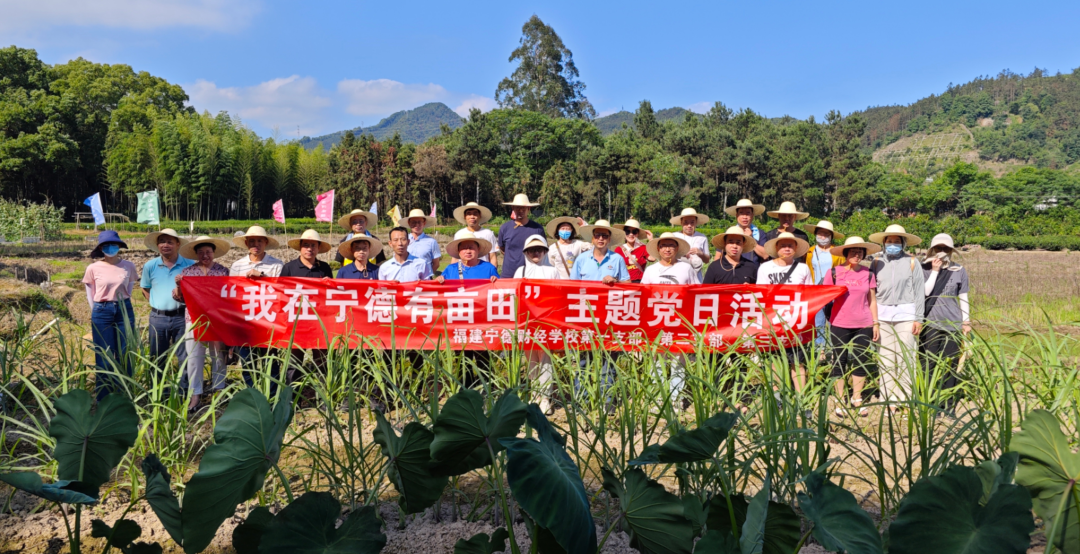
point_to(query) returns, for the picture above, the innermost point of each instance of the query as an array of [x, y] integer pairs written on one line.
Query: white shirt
[[678, 273], [485, 234], [268, 266], [535, 271], [771, 274], [413, 269], [570, 252], [699, 241]]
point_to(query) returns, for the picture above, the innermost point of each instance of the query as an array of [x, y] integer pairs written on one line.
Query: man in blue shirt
[[604, 264], [514, 233], [403, 267], [421, 244], [158, 283], [470, 251]]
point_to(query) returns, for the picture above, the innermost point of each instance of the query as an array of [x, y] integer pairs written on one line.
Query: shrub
[[19, 220]]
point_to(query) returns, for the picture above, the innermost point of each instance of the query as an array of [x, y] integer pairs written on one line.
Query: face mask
[[110, 250], [565, 235], [893, 249], [824, 241]]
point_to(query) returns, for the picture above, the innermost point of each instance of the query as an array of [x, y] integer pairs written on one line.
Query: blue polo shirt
[[512, 243], [414, 269], [160, 280], [425, 247], [350, 271], [586, 268], [483, 270]]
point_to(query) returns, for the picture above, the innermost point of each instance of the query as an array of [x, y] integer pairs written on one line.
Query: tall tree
[[546, 79]]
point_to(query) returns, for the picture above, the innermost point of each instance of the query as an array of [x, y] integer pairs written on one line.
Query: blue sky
[[317, 67]]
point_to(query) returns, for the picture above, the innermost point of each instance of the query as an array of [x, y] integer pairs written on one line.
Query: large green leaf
[[89, 445], [410, 464], [783, 528], [482, 544], [839, 523], [717, 542], [463, 433], [1050, 470], [247, 443], [942, 515], [160, 496], [307, 526], [548, 487], [247, 536], [67, 492], [122, 537], [690, 446], [654, 516], [752, 539]]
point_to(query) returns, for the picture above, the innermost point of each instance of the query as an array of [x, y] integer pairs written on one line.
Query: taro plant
[[1050, 470], [309, 526]]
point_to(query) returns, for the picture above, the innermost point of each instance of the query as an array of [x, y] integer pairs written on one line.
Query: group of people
[[916, 310]]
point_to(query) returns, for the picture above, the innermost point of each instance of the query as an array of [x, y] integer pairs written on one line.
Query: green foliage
[[247, 536], [465, 437], [840, 525], [1050, 470], [24, 219], [482, 544], [546, 79], [68, 492], [409, 460], [309, 526], [690, 446], [122, 535], [655, 517], [779, 535]]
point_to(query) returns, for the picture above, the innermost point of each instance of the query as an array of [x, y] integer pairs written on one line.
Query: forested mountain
[[415, 125], [613, 122]]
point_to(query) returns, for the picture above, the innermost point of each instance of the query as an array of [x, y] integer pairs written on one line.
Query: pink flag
[[279, 212], [324, 209], [432, 210]]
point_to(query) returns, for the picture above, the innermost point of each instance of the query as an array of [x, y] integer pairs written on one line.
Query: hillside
[[415, 125], [611, 123]]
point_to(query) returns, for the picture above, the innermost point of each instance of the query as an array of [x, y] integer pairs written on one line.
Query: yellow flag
[[395, 216]]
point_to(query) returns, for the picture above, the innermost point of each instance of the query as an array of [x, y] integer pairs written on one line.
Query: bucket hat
[[106, 237]]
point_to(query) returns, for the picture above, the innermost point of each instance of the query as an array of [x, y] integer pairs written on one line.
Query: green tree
[[546, 79]]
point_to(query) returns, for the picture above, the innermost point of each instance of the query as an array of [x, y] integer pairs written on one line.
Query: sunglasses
[[631, 230], [601, 235]]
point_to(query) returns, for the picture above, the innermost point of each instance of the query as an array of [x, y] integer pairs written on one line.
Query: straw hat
[[702, 219], [151, 240], [255, 231], [552, 226], [801, 246], [534, 241], [744, 203], [371, 218], [653, 248], [855, 242], [617, 236], [748, 241], [631, 223], [789, 208], [414, 213], [943, 240], [311, 234], [459, 213], [895, 231], [811, 229], [452, 248], [345, 248], [521, 200], [221, 246]]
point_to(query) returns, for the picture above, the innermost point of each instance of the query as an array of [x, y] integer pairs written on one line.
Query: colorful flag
[[148, 212], [324, 207], [374, 208], [395, 215], [95, 208], [432, 210], [279, 212]]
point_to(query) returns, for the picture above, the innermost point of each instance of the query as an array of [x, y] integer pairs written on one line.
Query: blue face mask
[[893, 249], [110, 249], [565, 235]]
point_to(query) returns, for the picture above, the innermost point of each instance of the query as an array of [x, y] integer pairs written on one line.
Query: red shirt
[[635, 261]]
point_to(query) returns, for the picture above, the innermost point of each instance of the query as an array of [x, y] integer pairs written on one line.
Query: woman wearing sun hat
[[109, 282], [948, 316], [204, 250], [901, 296], [782, 269], [633, 251], [359, 248], [356, 222], [853, 323], [470, 252], [820, 260], [567, 244], [472, 216]]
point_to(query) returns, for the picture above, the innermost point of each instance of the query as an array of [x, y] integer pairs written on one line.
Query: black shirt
[[296, 268], [720, 272]]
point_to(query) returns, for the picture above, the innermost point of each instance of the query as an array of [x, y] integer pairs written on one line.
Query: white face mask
[[824, 241]]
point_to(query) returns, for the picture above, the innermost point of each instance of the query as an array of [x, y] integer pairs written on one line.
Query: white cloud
[[381, 97], [220, 15], [285, 103], [700, 107], [606, 113], [483, 103]]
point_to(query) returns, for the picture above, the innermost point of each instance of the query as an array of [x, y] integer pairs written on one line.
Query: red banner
[[480, 315]]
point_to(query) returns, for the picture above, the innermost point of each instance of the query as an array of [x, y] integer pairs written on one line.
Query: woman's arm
[[90, 295], [873, 314]]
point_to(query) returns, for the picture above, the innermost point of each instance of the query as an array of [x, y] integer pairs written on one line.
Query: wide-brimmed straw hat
[[521, 200], [653, 248], [789, 208], [106, 237], [452, 248], [345, 220], [617, 236], [943, 240], [221, 246], [631, 223], [151, 239], [733, 211], [552, 227], [415, 213], [748, 241], [895, 231], [534, 241], [311, 234], [345, 248], [253, 232], [459, 213], [812, 228], [855, 242], [702, 219], [801, 246]]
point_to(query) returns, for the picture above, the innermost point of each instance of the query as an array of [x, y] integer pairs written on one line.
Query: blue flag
[[375, 208], [95, 208]]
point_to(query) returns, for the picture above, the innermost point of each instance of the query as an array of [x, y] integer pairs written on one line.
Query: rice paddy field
[[391, 453]]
